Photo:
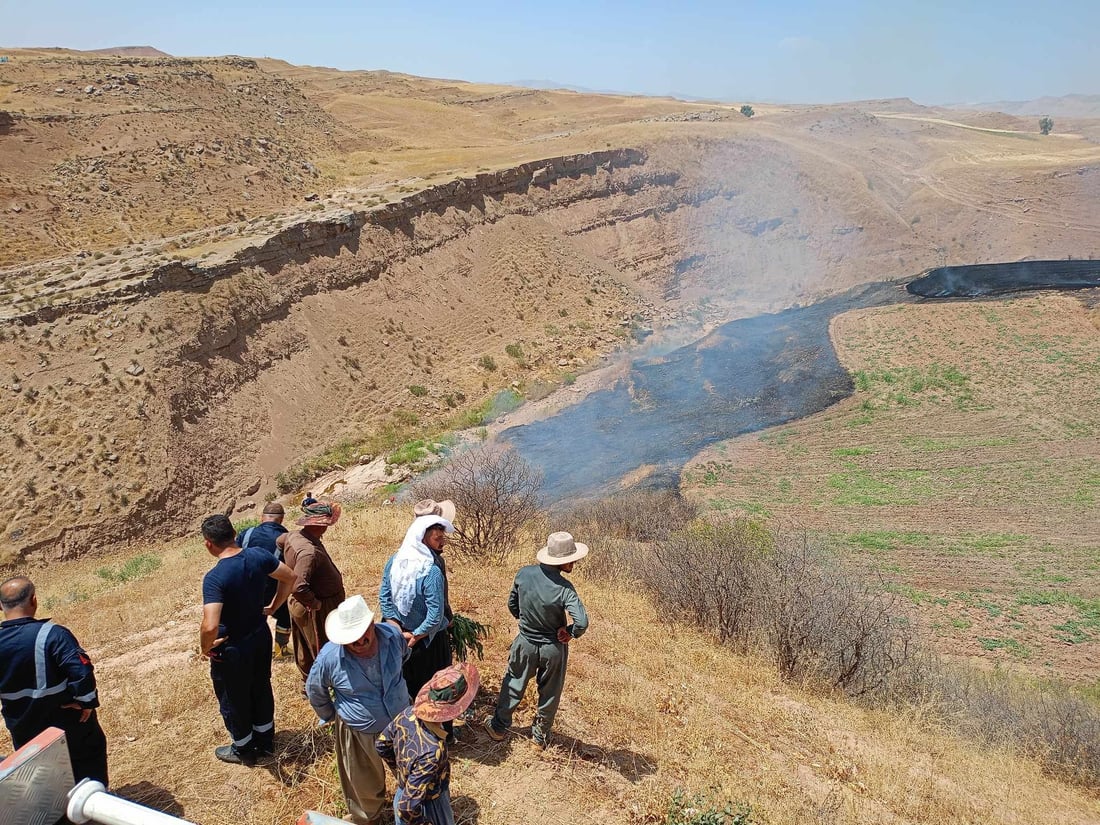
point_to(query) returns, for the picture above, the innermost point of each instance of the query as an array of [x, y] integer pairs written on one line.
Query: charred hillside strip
[[747, 375], [979, 280]]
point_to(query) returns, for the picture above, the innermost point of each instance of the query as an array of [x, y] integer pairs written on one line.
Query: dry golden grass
[[650, 706]]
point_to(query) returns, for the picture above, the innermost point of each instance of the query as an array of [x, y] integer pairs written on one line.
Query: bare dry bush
[[1044, 720], [825, 621], [496, 494], [621, 530], [710, 573], [751, 588]]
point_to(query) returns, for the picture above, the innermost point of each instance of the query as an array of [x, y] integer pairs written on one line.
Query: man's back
[[540, 598], [42, 667], [240, 584], [263, 536]]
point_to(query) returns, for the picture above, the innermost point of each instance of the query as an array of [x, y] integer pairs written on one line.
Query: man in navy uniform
[[47, 680], [235, 636], [263, 535]]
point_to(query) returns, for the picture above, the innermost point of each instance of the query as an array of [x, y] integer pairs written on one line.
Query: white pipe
[[90, 802]]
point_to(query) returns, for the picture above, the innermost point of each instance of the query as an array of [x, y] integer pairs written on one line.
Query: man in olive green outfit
[[540, 599]]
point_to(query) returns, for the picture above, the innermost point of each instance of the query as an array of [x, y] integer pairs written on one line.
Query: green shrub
[[417, 390], [135, 568], [514, 351], [701, 810], [466, 637], [487, 363]]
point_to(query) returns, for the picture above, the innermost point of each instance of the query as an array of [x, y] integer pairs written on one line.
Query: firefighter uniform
[[42, 668]]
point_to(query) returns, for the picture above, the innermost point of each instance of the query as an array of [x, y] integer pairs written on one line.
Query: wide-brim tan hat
[[430, 507], [561, 549], [448, 693], [320, 514], [349, 621]]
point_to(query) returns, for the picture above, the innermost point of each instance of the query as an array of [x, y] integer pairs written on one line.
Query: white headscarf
[[412, 560]]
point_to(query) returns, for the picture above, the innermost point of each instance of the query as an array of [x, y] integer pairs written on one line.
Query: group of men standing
[[389, 687]]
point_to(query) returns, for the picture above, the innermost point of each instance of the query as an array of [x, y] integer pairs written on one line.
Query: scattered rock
[[366, 458], [89, 90], [248, 505], [313, 196], [112, 457], [255, 488], [136, 369], [16, 207], [59, 91]]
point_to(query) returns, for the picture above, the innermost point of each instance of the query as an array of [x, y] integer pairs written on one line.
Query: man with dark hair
[[264, 535], [235, 636], [46, 679]]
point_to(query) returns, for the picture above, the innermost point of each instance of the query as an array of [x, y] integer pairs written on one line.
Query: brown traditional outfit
[[318, 590]]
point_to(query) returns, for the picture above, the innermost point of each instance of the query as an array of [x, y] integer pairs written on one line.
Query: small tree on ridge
[[1046, 124]]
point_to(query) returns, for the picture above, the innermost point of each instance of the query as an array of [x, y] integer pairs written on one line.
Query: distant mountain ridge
[[1064, 106], [130, 51]]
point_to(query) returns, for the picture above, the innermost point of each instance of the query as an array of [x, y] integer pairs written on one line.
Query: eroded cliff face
[[173, 390]]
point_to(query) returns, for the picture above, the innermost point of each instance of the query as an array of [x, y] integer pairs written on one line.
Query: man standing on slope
[[236, 638], [264, 535], [318, 585], [413, 596], [47, 680], [356, 682], [540, 599]]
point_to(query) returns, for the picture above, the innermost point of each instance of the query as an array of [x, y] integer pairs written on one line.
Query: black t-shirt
[[240, 584]]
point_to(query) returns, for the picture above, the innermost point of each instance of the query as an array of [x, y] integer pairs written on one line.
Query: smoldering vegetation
[[978, 280], [747, 375], [823, 623]]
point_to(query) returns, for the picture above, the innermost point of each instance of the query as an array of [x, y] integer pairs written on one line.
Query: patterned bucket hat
[[448, 693]]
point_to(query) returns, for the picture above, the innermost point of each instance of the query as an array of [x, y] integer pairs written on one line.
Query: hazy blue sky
[[934, 51]]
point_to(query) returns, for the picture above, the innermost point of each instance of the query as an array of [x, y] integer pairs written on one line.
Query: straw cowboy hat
[[320, 514], [448, 694], [561, 549], [430, 507], [349, 621]]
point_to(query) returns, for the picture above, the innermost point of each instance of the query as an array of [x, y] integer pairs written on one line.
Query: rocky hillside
[[503, 238]]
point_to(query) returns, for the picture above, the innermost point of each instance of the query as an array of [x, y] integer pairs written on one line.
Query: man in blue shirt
[[264, 535], [414, 598], [47, 680], [356, 682], [235, 636]]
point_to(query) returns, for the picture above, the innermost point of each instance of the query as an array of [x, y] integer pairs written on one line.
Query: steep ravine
[[176, 392], [164, 392]]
